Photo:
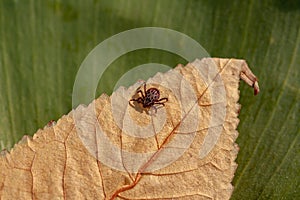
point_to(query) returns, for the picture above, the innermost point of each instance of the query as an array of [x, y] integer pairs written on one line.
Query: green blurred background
[[42, 44]]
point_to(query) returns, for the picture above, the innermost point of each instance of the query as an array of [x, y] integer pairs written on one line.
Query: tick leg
[[249, 77], [162, 99], [145, 88], [159, 103], [154, 108], [140, 91], [139, 100]]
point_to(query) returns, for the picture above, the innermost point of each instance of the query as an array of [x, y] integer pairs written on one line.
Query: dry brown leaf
[[114, 150]]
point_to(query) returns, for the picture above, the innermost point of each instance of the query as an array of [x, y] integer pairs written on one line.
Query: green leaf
[[42, 44]]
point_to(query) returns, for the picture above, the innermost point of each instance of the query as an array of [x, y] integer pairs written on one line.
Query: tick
[[150, 97], [51, 123]]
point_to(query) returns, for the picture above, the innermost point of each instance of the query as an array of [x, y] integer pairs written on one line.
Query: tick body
[[150, 97]]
